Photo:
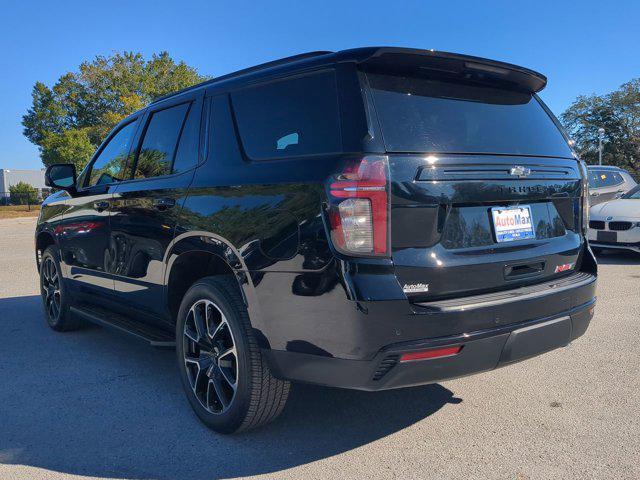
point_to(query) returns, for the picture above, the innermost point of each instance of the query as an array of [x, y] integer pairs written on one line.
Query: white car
[[616, 224], [606, 182]]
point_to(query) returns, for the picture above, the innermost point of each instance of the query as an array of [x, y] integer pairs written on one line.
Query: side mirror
[[62, 176]]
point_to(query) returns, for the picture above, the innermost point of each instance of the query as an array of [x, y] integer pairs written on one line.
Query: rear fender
[[220, 247]]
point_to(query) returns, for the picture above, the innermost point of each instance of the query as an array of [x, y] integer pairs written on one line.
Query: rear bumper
[[482, 350]]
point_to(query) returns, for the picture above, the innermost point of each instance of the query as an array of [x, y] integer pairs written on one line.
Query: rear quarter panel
[[268, 215]]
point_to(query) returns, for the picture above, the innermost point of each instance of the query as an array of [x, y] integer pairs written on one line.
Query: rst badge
[[564, 267]]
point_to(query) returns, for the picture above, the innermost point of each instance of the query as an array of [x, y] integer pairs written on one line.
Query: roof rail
[[244, 71]]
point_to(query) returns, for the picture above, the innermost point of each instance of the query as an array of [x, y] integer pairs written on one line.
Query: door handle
[[164, 203], [101, 205]]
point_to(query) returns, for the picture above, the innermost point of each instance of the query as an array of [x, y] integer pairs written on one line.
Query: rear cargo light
[[433, 353], [359, 207]]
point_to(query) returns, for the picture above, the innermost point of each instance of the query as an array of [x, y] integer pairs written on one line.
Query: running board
[[155, 336]]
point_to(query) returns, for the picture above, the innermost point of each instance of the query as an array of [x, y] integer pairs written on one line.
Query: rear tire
[[56, 300], [225, 378]]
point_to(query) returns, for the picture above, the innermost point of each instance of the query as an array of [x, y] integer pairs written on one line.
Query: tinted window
[[187, 153], [422, 115], [297, 116], [160, 139], [113, 157]]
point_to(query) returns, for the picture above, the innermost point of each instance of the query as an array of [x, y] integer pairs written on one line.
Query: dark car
[[370, 219], [608, 182]]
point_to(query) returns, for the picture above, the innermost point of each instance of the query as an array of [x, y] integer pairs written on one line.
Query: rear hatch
[[485, 193]]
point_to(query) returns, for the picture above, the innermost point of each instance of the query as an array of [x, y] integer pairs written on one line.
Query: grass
[[17, 211]]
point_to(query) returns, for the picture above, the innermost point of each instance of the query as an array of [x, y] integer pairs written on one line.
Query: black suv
[[370, 219]]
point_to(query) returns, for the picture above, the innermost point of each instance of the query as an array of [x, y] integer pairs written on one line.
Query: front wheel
[[225, 378], [55, 297]]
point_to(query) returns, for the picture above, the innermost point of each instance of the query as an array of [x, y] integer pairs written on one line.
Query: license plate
[[512, 223], [608, 237]]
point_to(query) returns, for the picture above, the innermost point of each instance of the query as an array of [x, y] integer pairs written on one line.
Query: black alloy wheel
[[56, 301], [210, 356], [225, 377], [50, 289]]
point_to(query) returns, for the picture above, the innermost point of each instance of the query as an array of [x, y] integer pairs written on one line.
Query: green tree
[[619, 114], [69, 120], [22, 194], [70, 146]]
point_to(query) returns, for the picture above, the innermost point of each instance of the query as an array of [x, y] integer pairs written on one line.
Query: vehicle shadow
[[618, 257], [97, 403]]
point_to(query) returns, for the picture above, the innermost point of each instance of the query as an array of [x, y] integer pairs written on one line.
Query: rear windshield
[[423, 115], [604, 178]]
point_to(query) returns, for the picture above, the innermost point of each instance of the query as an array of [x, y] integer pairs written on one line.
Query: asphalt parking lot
[[97, 404]]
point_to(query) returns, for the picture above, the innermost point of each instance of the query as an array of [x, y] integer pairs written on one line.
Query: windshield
[[633, 193], [424, 115]]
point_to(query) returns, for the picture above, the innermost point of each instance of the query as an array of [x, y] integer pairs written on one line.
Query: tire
[[56, 300], [225, 378]]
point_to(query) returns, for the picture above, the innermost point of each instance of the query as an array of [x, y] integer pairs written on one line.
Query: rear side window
[[187, 152], [160, 142], [425, 115], [287, 118]]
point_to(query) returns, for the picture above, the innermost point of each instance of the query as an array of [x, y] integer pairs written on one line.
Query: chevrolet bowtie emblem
[[520, 171]]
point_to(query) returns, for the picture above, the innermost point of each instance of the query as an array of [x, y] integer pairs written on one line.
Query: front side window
[[422, 115], [160, 141], [288, 118], [111, 161]]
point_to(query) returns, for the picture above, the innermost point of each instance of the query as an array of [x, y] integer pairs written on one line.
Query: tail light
[[359, 207]]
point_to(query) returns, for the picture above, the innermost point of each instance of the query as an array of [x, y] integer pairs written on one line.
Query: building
[[11, 176]]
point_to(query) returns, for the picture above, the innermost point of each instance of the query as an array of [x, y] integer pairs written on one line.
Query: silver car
[[616, 223], [607, 183]]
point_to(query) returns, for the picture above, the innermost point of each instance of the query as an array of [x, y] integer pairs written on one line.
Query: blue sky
[[582, 47]]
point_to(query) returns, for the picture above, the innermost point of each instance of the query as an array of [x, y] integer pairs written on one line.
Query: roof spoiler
[[450, 64]]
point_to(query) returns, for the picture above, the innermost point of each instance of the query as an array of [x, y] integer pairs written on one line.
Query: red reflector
[[434, 353]]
